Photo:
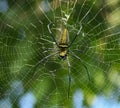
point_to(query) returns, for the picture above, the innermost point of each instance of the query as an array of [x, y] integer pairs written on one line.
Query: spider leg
[[69, 77], [47, 49], [75, 36], [75, 56], [51, 34], [38, 63]]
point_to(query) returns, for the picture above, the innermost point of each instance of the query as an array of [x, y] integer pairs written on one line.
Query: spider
[[64, 51]]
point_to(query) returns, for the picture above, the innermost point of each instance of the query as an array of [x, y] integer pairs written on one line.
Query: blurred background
[[25, 40]]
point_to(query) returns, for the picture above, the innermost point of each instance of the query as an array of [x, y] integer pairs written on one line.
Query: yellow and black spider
[[64, 51]]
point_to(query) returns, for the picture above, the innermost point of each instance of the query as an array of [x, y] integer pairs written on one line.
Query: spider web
[[25, 41]]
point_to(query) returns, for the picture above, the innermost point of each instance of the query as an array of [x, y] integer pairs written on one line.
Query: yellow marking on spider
[[64, 37], [63, 45]]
